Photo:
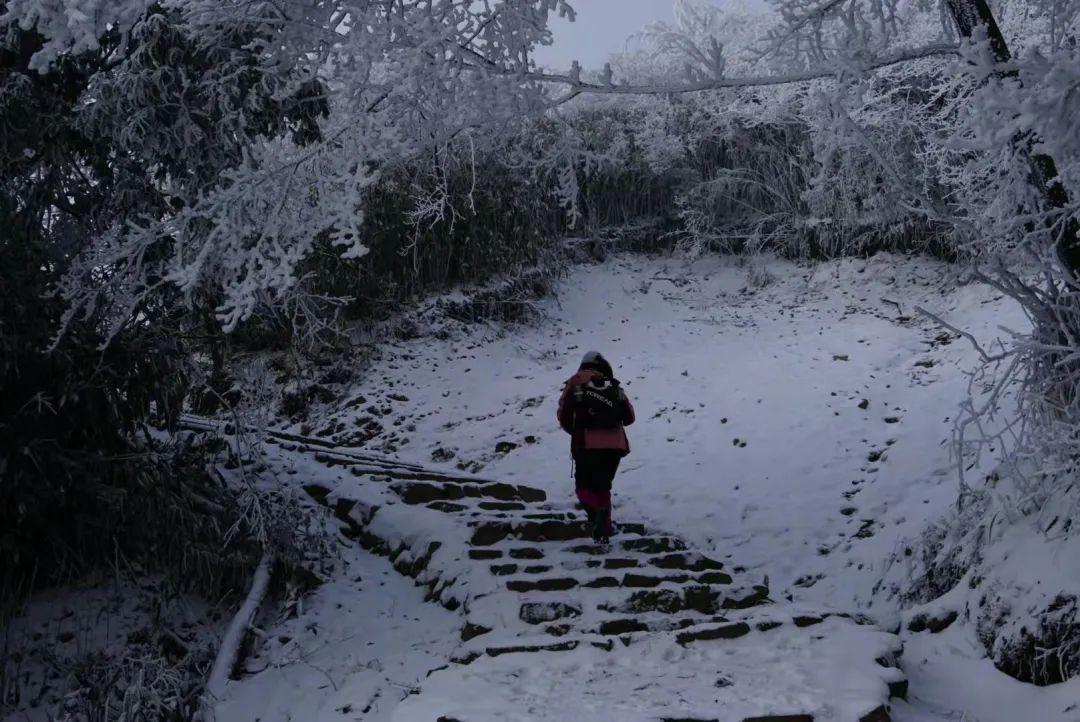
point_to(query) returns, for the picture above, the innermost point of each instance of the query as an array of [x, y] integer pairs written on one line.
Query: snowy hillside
[[793, 442], [792, 429], [800, 431]]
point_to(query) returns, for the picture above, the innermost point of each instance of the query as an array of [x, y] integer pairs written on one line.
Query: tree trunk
[[969, 15]]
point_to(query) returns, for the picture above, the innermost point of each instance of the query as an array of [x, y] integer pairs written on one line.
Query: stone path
[[540, 601]]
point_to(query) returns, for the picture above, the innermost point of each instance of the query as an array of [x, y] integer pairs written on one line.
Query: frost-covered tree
[[994, 134], [399, 79], [110, 114]]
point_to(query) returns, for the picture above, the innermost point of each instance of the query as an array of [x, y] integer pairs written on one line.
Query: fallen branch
[[982, 353], [893, 303], [229, 652]]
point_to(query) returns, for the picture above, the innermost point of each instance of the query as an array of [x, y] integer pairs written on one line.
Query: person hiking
[[593, 409]]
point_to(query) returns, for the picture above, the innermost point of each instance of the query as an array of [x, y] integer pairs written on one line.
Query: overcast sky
[[601, 28]]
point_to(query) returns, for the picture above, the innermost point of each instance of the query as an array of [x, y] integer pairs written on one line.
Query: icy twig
[[974, 342]]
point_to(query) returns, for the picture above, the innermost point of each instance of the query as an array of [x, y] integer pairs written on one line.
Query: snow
[[752, 444], [750, 431], [777, 659], [751, 441], [951, 667], [652, 680], [365, 641], [71, 26], [73, 636], [952, 680]]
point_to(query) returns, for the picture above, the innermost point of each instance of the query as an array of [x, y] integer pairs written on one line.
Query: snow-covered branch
[[863, 65], [229, 650]]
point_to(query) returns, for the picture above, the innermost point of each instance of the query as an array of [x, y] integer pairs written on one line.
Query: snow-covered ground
[[366, 641], [800, 431]]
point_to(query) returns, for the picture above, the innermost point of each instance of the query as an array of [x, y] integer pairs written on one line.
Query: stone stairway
[[540, 601]]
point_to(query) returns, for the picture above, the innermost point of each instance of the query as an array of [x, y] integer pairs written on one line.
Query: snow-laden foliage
[[929, 153], [872, 143], [398, 80], [71, 27]]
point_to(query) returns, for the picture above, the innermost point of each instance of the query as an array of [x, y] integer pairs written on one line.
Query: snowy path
[[801, 431], [841, 398], [551, 625]]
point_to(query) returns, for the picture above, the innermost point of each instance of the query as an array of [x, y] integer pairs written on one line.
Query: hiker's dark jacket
[[584, 439]]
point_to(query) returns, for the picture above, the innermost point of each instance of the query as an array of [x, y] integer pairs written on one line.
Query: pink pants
[[595, 502]]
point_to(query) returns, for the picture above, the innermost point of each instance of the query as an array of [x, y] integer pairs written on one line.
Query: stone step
[[628, 580], [704, 599], [678, 563], [727, 630], [447, 507], [500, 505], [630, 625], [528, 645], [384, 470], [580, 596], [697, 626], [489, 533], [675, 563], [654, 545], [691, 627], [546, 515], [502, 570], [417, 492], [655, 580], [544, 612], [577, 563], [537, 512], [494, 651], [308, 444], [692, 624], [685, 629], [639, 543], [686, 561], [485, 554], [548, 584], [526, 553], [615, 563]]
